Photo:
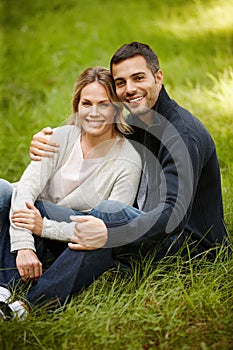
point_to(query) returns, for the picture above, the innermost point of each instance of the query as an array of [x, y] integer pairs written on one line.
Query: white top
[[115, 178], [71, 175]]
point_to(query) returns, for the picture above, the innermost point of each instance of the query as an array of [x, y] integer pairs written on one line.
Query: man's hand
[[40, 145], [28, 265], [29, 219], [90, 233]]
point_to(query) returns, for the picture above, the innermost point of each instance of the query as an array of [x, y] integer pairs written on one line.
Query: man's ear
[[159, 76]]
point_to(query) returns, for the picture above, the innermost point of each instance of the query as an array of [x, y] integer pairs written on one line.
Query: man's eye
[[139, 78], [119, 83]]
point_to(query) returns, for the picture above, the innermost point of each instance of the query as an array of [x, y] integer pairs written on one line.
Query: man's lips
[[134, 99]]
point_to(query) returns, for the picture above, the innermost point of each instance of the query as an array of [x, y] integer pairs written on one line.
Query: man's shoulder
[[65, 131], [183, 120], [177, 115]]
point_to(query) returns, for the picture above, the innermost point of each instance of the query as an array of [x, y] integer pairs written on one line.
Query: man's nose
[[130, 87]]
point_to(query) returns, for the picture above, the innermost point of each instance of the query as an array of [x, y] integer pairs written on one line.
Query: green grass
[[178, 305], [45, 45]]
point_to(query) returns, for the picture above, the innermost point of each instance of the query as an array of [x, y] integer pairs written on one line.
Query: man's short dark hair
[[136, 49]]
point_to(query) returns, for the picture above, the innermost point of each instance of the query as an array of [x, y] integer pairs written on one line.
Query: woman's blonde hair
[[102, 76]]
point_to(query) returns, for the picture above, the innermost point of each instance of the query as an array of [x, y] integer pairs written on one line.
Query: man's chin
[[137, 109]]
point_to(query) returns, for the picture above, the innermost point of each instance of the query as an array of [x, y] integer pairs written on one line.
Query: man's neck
[[147, 118]]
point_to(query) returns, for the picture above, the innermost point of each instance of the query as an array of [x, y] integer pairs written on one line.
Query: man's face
[[136, 86]]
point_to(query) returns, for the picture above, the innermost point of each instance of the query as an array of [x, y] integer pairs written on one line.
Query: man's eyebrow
[[132, 75], [119, 79], [135, 74]]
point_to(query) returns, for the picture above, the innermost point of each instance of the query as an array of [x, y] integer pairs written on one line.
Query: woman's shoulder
[[127, 150], [127, 145]]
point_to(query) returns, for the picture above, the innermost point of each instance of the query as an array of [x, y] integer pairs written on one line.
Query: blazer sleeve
[[179, 175]]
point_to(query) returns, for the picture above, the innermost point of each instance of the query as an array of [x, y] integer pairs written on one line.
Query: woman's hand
[[29, 219], [40, 145], [28, 265]]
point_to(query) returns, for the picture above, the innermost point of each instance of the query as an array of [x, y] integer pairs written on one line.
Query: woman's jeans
[[6, 190], [71, 271]]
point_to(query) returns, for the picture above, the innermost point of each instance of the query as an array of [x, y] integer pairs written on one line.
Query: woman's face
[[96, 111]]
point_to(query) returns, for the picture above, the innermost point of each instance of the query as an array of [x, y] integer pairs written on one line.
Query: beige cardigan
[[116, 178]]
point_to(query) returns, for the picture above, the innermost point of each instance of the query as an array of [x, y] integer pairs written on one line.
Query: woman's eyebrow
[[87, 100]]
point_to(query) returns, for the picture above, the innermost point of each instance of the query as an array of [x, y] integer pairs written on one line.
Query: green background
[[45, 44]]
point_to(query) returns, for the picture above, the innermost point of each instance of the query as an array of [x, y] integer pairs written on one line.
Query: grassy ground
[[45, 45]]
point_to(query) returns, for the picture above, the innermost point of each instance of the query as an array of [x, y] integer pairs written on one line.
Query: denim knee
[[6, 190], [110, 206], [114, 213]]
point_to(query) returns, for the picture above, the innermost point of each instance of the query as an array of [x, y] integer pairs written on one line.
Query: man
[[183, 187], [180, 192]]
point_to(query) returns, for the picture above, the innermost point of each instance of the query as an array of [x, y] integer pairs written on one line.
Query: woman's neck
[[96, 146]]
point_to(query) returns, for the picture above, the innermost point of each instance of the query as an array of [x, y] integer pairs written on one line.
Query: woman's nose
[[94, 111]]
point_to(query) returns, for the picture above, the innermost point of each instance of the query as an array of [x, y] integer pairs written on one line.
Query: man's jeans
[[71, 271]]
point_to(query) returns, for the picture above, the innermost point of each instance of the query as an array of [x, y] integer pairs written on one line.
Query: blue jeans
[[5, 200], [69, 271], [113, 213]]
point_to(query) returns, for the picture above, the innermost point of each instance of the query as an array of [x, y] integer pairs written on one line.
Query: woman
[[94, 163]]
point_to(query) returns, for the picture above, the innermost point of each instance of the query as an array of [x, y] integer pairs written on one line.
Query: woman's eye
[[104, 105], [86, 104]]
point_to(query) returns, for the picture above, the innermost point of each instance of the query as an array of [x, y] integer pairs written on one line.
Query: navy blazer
[[182, 190]]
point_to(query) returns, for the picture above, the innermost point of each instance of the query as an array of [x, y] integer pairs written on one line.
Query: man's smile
[[134, 99]]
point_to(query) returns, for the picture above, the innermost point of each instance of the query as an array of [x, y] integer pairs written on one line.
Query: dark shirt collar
[[164, 103], [162, 107]]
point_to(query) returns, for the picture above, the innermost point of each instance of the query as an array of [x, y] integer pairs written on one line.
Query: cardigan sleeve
[[28, 188], [126, 184], [32, 183], [60, 231]]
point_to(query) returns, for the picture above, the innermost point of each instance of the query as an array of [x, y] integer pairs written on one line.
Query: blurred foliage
[[46, 44]]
